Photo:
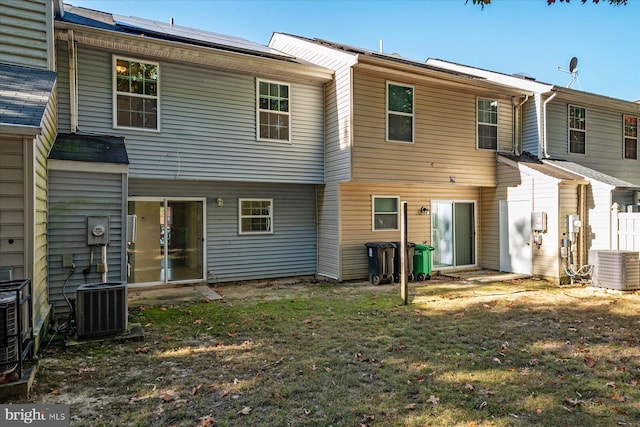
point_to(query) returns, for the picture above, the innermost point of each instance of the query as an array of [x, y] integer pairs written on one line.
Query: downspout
[[582, 236], [544, 123], [517, 114], [73, 83]]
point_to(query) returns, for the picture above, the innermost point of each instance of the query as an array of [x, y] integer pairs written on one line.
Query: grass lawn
[[464, 354]]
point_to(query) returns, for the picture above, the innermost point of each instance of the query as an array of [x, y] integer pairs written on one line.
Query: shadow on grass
[[499, 354]]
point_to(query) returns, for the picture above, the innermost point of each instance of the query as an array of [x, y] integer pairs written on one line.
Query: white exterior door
[[515, 237]]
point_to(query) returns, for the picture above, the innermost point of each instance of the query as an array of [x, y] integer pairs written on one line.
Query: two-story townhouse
[[590, 137], [27, 131], [402, 130], [209, 147]]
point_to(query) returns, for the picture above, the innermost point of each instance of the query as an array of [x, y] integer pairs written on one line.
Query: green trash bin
[[422, 263]]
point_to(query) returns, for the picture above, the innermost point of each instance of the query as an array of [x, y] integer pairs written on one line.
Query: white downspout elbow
[[544, 124]]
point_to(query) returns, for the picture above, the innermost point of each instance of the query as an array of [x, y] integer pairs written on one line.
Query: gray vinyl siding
[[207, 125], [43, 145], [62, 83], [73, 196], [12, 209], [530, 130], [328, 231], [23, 33], [604, 146], [290, 251]]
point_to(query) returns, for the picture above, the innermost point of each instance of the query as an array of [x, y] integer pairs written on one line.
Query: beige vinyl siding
[[24, 33], [604, 147], [445, 135], [43, 144], [12, 209], [355, 202]]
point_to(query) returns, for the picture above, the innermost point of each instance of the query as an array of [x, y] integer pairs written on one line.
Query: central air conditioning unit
[[101, 309], [615, 269], [8, 333]]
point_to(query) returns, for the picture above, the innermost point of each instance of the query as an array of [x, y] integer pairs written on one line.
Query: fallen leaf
[[222, 393], [51, 351], [54, 391], [169, 396], [195, 390], [619, 411], [163, 308], [245, 411], [144, 349], [306, 321], [618, 397], [433, 399], [206, 421], [232, 334], [147, 325], [612, 385], [469, 387], [197, 322], [361, 357], [589, 361], [410, 406], [495, 359]]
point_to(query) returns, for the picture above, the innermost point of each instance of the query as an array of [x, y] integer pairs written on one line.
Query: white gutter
[[73, 87], [20, 130], [544, 123]]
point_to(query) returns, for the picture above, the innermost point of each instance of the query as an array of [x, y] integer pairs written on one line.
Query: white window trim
[[478, 122], [114, 92], [373, 212], [288, 113], [625, 137], [240, 216], [412, 115], [569, 129]]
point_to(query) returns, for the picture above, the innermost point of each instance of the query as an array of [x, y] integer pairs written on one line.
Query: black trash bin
[[397, 261], [380, 256]]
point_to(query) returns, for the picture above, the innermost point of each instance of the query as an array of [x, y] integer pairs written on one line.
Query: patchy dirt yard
[[520, 352]]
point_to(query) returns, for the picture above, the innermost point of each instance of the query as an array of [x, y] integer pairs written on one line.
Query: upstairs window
[[630, 137], [487, 124], [255, 216], [136, 101], [385, 213], [577, 129], [273, 111], [399, 112]]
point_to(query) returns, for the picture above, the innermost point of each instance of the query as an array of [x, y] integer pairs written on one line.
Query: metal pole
[[404, 288]]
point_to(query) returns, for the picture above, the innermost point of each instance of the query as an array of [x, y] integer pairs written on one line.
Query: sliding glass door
[[453, 233], [169, 243]]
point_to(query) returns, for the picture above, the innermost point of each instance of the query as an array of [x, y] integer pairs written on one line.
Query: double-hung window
[[487, 113], [136, 103], [255, 216], [385, 215], [273, 120], [630, 137], [577, 129], [399, 112]]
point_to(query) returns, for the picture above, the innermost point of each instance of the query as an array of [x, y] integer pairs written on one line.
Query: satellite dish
[[573, 65]]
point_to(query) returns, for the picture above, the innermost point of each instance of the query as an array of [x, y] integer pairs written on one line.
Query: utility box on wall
[[539, 221], [97, 230]]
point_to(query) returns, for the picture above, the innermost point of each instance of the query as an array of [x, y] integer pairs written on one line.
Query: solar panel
[[195, 35]]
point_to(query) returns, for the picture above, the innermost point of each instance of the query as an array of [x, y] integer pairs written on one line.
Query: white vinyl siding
[[273, 117], [630, 143], [136, 99], [255, 216], [487, 126], [399, 112], [577, 129]]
